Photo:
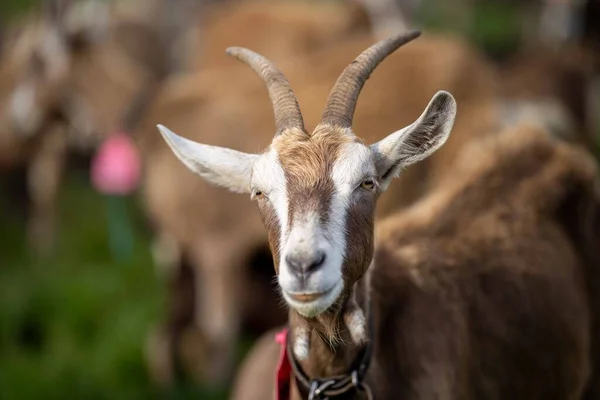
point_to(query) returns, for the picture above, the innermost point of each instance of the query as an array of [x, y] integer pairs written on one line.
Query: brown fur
[[258, 370], [479, 290], [565, 76], [282, 28], [415, 72]]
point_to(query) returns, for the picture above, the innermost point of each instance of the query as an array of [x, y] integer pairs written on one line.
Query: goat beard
[[343, 316]]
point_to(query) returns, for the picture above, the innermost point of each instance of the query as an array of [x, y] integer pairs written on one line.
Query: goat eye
[[257, 194], [368, 184]]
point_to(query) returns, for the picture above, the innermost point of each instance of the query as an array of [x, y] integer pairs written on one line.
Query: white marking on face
[[25, 114], [268, 177], [354, 164], [307, 234]]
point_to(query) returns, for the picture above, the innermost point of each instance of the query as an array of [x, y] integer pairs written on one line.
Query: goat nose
[[305, 263]]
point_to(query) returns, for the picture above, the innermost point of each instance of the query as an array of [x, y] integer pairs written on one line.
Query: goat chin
[[314, 308]]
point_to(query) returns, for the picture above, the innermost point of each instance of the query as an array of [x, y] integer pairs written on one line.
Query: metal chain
[[322, 390], [317, 389]]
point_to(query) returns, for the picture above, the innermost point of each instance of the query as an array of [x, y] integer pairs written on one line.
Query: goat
[[226, 221], [31, 39], [428, 313], [556, 184]]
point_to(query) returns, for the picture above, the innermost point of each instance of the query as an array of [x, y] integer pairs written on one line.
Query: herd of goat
[[477, 276]]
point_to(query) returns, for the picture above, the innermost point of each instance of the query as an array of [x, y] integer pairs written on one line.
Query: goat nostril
[[293, 262], [318, 261]]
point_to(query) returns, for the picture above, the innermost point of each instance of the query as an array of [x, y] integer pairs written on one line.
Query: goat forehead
[[354, 163], [318, 170], [308, 161], [268, 172]]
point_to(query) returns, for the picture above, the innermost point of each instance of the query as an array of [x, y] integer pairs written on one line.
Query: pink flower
[[116, 168]]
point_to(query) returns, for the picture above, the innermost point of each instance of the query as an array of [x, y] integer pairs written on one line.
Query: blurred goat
[[68, 81]]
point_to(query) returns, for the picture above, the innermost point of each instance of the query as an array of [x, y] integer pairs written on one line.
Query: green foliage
[[11, 7], [494, 26], [74, 326]]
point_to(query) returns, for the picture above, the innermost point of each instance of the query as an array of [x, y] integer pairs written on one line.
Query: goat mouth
[[307, 297], [313, 303]]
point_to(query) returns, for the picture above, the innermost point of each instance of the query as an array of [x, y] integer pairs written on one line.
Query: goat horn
[[285, 106], [342, 100]]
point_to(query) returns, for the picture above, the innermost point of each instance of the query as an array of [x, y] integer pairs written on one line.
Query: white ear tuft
[[218, 165], [418, 140]]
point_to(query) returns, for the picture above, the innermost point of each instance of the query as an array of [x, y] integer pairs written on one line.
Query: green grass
[[11, 7], [74, 326]]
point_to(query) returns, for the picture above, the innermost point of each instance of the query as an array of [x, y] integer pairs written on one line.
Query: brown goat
[[214, 103], [436, 293], [472, 281]]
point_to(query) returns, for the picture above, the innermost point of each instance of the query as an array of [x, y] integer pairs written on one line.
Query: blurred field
[[71, 328], [75, 328]]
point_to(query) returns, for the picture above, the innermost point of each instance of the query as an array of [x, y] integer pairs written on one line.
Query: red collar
[[283, 376]]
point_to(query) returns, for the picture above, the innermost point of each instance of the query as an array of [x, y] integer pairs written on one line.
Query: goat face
[[317, 192]]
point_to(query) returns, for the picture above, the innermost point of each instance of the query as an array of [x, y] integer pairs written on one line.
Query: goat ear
[[219, 166], [418, 140]]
